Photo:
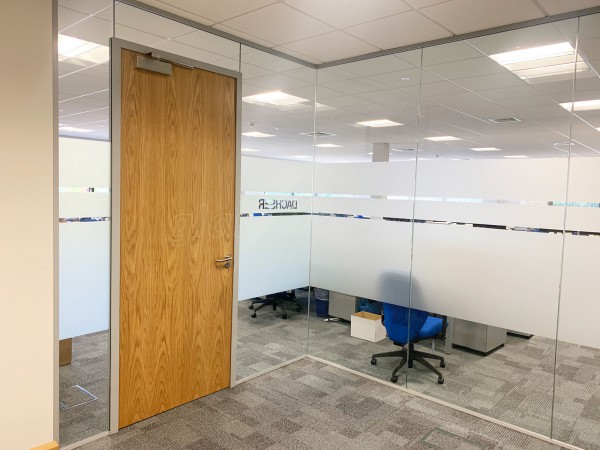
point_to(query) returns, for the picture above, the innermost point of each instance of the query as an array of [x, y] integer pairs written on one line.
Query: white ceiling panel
[[298, 55], [221, 10], [464, 16], [92, 29], [188, 51], [212, 43], [137, 36], [144, 21], [67, 17], [327, 47], [278, 23], [376, 66], [86, 6], [268, 61], [242, 35], [466, 68], [561, 6], [418, 4], [486, 82], [402, 29], [346, 13], [179, 11]]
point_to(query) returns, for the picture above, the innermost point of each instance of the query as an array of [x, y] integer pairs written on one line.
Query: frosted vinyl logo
[[277, 204]]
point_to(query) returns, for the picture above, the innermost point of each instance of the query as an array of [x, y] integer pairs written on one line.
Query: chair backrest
[[403, 324]]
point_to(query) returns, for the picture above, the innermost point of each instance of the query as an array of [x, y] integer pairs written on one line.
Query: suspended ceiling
[[461, 87]]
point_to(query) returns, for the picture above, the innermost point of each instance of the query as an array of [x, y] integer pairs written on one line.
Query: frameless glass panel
[[139, 26], [489, 215], [576, 417], [276, 202], [84, 213], [367, 125]]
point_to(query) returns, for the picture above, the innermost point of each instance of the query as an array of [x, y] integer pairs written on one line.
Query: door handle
[[226, 260]]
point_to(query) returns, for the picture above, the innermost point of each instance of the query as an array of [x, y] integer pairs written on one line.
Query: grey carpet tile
[[513, 384], [311, 405], [89, 368]]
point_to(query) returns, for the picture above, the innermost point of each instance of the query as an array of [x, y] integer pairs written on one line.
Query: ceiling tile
[[147, 22], [92, 29], [466, 68], [218, 11], [418, 4], [279, 24], [177, 48], [377, 66], [86, 6], [68, 17], [139, 37], [212, 43], [331, 46], [245, 36], [464, 16], [561, 6], [298, 55], [178, 11], [346, 13], [399, 30]]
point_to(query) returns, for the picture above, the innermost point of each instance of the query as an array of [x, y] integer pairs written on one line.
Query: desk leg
[[449, 336]]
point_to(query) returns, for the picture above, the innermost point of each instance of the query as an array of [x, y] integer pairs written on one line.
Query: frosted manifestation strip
[[84, 268]]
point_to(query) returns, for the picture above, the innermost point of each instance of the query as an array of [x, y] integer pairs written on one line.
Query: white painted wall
[[27, 237]]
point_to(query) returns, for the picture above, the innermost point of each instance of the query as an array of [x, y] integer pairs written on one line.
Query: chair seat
[[431, 327]]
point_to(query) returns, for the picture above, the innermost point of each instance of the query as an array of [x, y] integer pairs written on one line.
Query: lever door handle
[[226, 260]]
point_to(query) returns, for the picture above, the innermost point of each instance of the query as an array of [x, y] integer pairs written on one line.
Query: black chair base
[[413, 355], [276, 301]]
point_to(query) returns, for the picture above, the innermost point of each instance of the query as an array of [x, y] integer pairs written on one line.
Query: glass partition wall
[[84, 31], [449, 189], [474, 234]]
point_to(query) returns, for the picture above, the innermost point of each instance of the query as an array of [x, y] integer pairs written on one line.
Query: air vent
[[317, 134], [505, 120]]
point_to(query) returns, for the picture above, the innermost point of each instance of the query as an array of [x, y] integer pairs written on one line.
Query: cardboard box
[[65, 351], [367, 326]]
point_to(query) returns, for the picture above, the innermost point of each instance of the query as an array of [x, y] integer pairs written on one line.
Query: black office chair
[[406, 327], [275, 300]]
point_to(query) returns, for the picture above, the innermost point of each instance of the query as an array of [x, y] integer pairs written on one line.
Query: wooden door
[[178, 141]]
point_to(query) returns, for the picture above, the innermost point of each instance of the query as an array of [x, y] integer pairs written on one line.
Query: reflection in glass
[[367, 119], [84, 213], [276, 203], [493, 267], [577, 391]]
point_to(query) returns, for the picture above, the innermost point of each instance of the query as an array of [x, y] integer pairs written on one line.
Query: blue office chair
[[407, 326]]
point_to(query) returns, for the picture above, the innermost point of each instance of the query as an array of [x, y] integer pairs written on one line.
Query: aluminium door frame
[[116, 45]]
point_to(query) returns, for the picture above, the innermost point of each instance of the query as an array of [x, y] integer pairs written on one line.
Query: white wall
[[27, 238]]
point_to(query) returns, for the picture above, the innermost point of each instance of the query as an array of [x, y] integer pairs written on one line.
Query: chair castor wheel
[[373, 361], [253, 316], [284, 316], [251, 307], [441, 380], [298, 308], [442, 363], [395, 379]]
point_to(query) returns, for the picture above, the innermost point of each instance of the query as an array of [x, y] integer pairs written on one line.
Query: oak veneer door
[[177, 193]]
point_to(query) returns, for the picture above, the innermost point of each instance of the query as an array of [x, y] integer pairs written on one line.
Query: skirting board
[[449, 405], [271, 369], [86, 441], [49, 446]]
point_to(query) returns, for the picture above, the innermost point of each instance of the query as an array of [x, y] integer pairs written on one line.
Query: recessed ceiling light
[[405, 78], [249, 150], [78, 130], [443, 138], [276, 98], [485, 149], [598, 128], [515, 156], [257, 134], [328, 145], [70, 47], [505, 120], [370, 153], [544, 61], [584, 105], [380, 123]]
